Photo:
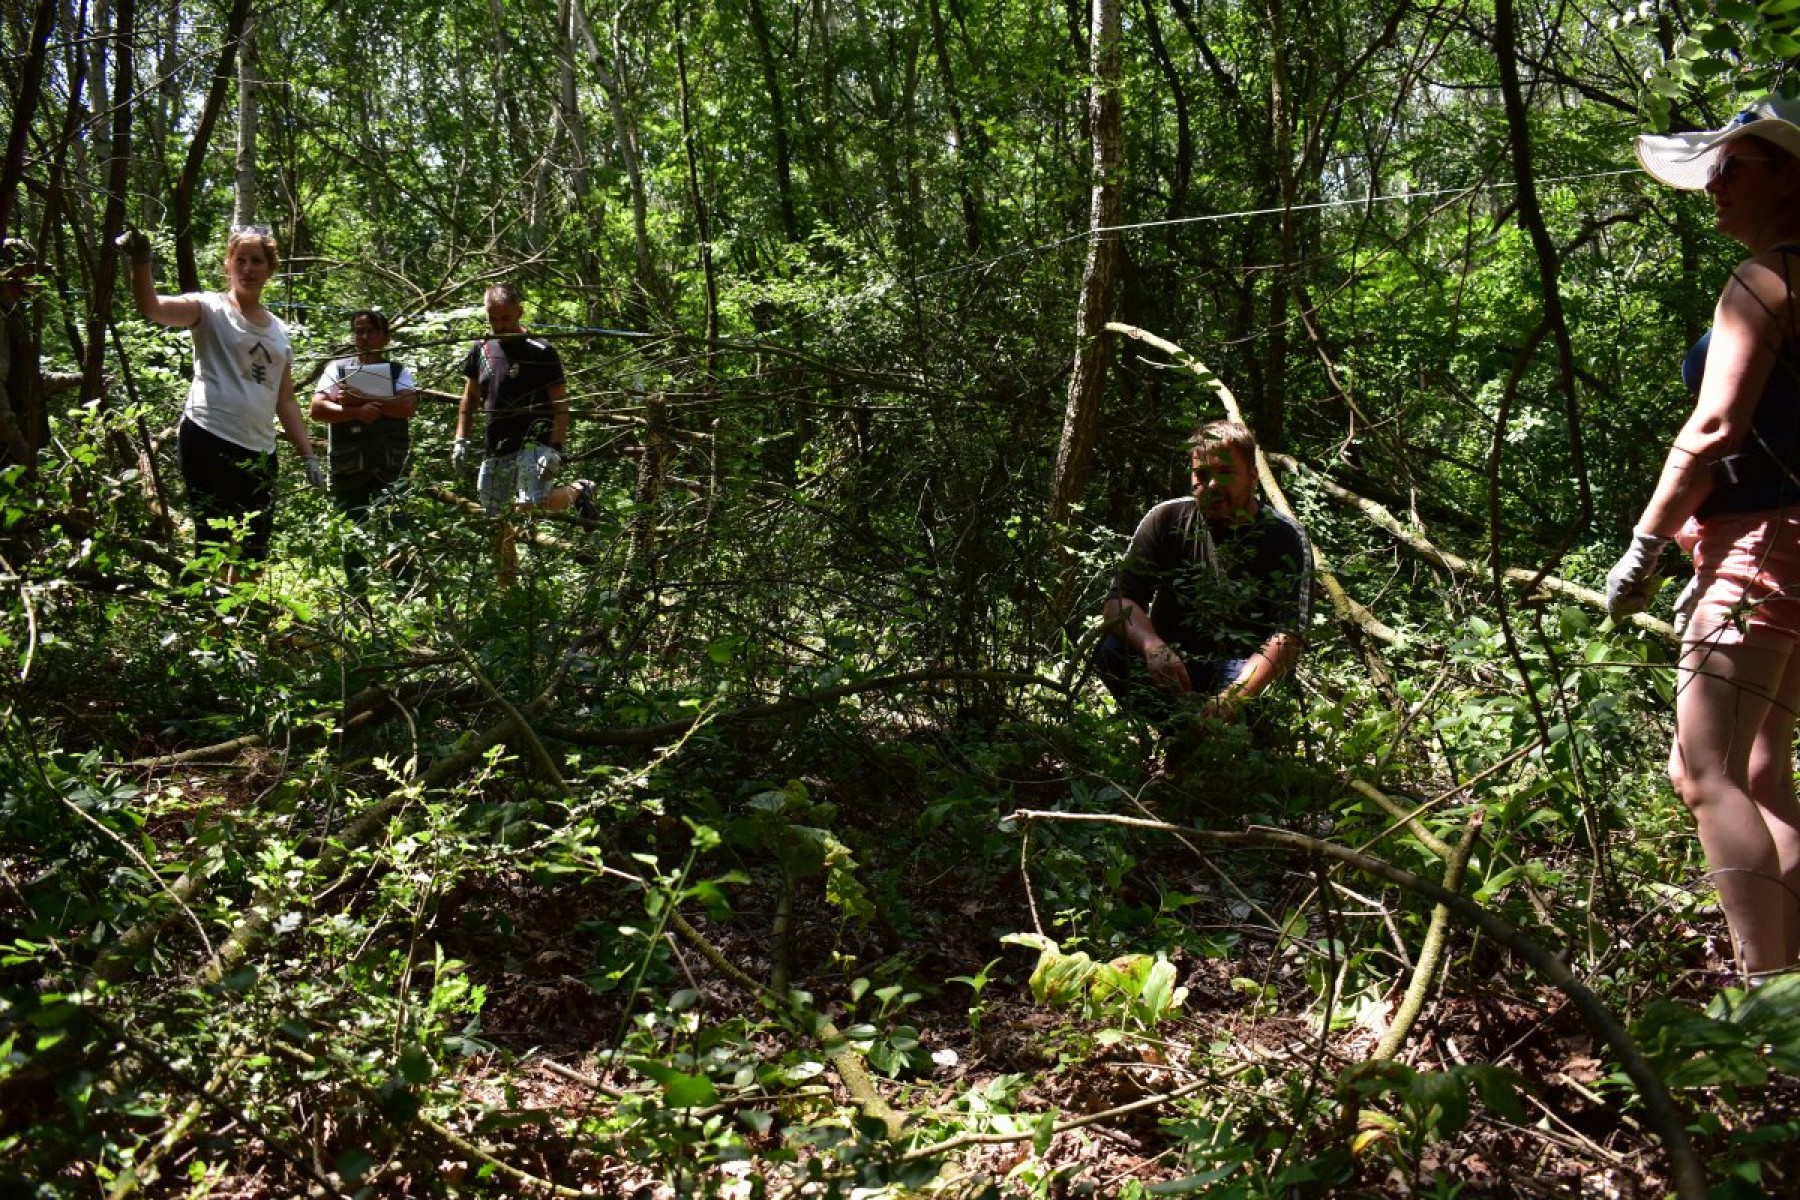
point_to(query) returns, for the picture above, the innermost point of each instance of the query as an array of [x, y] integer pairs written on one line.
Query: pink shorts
[[1748, 565]]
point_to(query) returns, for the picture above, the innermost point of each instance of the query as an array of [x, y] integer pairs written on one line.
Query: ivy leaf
[[680, 1090]]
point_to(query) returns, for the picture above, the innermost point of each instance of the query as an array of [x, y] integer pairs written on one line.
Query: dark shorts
[[1123, 672], [227, 485]]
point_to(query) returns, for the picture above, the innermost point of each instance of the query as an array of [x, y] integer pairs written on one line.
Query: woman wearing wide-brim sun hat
[[1729, 493]]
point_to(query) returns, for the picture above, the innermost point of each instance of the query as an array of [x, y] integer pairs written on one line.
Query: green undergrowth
[[317, 955]]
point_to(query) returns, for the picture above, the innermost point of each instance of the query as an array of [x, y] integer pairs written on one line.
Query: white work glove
[[135, 245], [315, 474], [459, 455], [1628, 583], [549, 461]]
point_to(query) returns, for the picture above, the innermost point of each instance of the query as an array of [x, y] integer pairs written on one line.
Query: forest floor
[[555, 1073], [1221, 1091]]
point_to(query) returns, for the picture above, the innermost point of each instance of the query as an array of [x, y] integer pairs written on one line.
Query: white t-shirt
[[238, 368], [371, 379]]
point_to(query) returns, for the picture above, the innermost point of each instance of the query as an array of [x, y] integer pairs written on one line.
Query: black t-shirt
[[1256, 581], [515, 375]]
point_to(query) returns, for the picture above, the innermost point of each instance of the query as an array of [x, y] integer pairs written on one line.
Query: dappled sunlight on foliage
[[770, 835]]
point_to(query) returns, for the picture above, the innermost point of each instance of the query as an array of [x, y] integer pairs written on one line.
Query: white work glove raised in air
[[315, 474], [459, 455], [135, 245], [1628, 583]]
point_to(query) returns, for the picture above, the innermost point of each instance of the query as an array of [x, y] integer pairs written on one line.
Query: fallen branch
[[844, 1058], [1457, 565], [443, 1133], [254, 928], [359, 710], [1432, 950]]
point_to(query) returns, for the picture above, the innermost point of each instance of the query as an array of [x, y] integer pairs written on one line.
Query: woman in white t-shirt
[[243, 385]]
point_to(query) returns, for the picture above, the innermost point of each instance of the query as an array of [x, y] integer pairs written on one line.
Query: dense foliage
[[771, 835]]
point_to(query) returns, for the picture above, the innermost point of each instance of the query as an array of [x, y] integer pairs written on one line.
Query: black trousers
[[226, 484]]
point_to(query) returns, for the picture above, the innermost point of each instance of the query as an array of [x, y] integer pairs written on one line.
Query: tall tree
[[1081, 412], [194, 169], [243, 204], [25, 108]]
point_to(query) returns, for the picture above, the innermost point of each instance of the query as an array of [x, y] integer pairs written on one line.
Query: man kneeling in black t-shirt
[[1212, 600]]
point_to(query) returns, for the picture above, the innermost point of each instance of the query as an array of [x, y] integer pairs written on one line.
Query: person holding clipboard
[[367, 402]]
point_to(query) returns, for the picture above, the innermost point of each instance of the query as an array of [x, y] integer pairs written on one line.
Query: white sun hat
[[1684, 160]]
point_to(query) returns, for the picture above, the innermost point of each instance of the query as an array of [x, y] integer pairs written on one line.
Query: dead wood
[[1457, 565]]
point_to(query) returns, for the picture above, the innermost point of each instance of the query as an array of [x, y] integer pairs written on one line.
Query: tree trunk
[[243, 204], [162, 116], [969, 154], [31, 85], [1181, 172], [784, 173], [118, 176], [101, 18], [1081, 416], [526, 170], [1531, 216], [654, 295], [696, 195], [181, 204], [1271, 426], [568, 99]]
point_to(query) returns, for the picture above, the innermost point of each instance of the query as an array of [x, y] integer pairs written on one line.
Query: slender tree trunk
[[243, 205], [1181, 172], [610, 74], [784, 173], [1531, 216], [31, 86], [568, 99], [57, 216], [1272, 411], [696, 195], [1081, 416], [97, 75], [969, 154], [162, 116], [181, 204], [526, 172], [118, 176]]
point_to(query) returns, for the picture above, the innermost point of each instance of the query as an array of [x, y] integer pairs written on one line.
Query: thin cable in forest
[[1254, 212]]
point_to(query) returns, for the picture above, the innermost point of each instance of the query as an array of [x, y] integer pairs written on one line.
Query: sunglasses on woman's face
[[1724, 170]]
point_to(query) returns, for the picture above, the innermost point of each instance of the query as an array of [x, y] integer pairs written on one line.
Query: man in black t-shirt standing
[[518, 382], [1212, 601]]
